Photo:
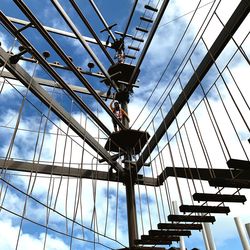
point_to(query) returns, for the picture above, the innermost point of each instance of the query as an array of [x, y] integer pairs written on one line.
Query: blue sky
[[42, 137]]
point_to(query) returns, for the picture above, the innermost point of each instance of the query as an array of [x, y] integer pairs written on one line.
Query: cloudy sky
[[56, 212]]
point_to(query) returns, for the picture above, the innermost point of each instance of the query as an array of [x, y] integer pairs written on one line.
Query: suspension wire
[[207, 103], [30, 178], [185, 14], [199, 136], [182, 161], [180, 66], [49, 203], [168, 64], [54, 124], [204, 100], [158, 209], [165, 177]]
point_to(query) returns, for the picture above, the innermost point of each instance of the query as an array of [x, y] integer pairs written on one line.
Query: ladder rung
[[204, 209], [162, 237], [134, 48], [179, 226], [230, 183], [191, 218], [121, 34], [141, 29], [146, 19], [219, 197], [148, 7], [238, 164], [162, 233], [130, 56], [138, 39]]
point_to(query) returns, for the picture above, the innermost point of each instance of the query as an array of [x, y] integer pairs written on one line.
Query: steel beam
[[57, 31], [37, 90], [53, 84], [48, 169], [65, 58], [85, 21], [51, 71], [200, 173], [129, 19], [219, 44], [60, 66], [102, 19], [149, 40]]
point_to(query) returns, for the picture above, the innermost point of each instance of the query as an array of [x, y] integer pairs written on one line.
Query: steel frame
[[65, 58], [37, 90]]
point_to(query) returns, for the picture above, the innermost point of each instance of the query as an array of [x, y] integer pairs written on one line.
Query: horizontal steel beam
[[57, 31], [37, 90], [47, 169], [53, 84], [200, 173], [219, 44]]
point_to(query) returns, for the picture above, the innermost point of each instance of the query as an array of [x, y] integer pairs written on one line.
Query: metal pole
[[242, 233], [84, 19], [130, 191], [176, 211], [210, 240], [102, 19], [205, 236], [248, 229]]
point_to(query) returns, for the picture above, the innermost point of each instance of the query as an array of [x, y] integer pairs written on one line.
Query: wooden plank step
[[152, 242], [238, 164], [179, 226], [137, 39], [230, 183], [143, 248], [161, 233], [130, 56], [204, 209], [141, 29], [219, 197], [134, 48], [148, 7], [155, 237], [146, 19], [191, 218]]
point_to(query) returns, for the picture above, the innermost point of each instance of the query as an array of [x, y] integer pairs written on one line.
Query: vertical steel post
[[130, 191], [242, 233], [248, 229], [210, 240], [205, 237]]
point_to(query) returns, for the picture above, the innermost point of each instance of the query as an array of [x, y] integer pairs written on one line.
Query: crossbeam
[[219, 44], [57, 31], [50, 83], [48, 169], [200, 173], [38, 91]]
